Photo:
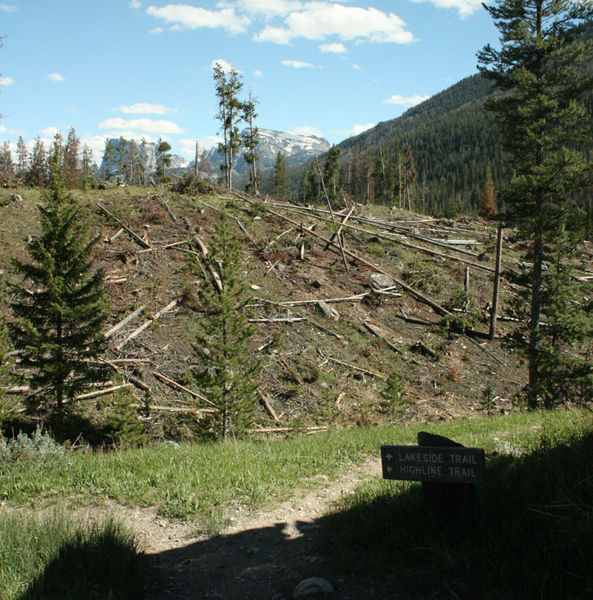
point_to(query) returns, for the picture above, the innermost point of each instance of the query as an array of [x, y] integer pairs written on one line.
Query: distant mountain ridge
[[297, 149]]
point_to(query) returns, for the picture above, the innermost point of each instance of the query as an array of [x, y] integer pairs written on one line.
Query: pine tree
[[163, 160], [310, 185], [5, 378], [251, 142], [143, 162], [38, 171], [488, 196], [132, 160], [227, 374], [22, 156], [60, 305], [280, 176], [227, 88], [72, 160], [6, 164], [88, 167], [122, 145], [108, 162], [542, 70], [331, 171]]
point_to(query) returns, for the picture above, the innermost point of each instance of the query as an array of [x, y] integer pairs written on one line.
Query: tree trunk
[[534, 332]]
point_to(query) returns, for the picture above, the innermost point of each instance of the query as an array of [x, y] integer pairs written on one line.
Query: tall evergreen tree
[[280, 176], [122, 145], [488, 196], [163, 160], [72, 160], [331, 171], [108, 165], [38, 172], [22, 158], [6, 164], [251, 142], [227, 88], [88, 167], [227, 374], [541, 68], [60, 305]]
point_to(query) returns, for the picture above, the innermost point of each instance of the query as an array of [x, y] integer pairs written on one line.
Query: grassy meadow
[[531, 537]]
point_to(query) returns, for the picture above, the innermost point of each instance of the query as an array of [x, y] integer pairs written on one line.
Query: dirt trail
[[259, 556]]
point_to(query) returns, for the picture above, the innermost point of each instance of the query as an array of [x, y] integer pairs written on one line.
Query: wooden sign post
[[448, 471]]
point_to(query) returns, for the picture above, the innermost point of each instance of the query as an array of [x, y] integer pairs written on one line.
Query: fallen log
[[145, 325], [415, 293], [174, 384], [278, 320], [268, 407], [136, 237], [98, 393], [355, 368], [180, 409], [288, 429], [124, 322], [375, 332]]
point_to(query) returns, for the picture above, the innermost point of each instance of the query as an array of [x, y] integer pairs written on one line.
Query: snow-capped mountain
[[297, 149]]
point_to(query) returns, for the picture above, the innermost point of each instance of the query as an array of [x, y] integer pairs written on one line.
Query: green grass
[[56, 557], [197, 480], [532, 536]]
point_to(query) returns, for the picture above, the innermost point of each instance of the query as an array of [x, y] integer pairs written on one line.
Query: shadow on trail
[[530, 538], [258, 564]]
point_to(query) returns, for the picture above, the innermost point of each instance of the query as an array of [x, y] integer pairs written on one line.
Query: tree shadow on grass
[[74, 428], [531, 538], [103, 565]]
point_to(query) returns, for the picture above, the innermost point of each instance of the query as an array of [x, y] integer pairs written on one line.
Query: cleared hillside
[[319, 368]]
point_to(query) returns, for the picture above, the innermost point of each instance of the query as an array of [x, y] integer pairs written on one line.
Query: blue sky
[[143, 68]]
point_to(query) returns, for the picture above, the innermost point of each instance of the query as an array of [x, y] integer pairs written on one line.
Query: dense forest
[[433, 159]]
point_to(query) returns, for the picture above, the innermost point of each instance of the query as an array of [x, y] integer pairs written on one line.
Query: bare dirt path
[[261, 555]]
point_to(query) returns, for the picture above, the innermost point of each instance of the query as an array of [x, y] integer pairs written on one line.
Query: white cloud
[[356, 130], [135, 4], [269, 8], [306, 130], [356, 67], [319, 20], [227, 67], [56, 77], [184, 16], [156, 30], [297, 64], [276, 35], [145, 108], [258, 72], [158, 127], [465, 8], [6, 80], [335, 48], [8, 8], [406, 100], [50, 131]]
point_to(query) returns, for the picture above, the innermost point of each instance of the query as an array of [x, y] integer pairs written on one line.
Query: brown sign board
[[432, 463]]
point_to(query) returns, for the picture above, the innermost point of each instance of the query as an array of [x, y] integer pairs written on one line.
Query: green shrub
[[39, 446]]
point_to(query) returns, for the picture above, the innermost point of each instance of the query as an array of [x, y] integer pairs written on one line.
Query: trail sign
[[433, 463]]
